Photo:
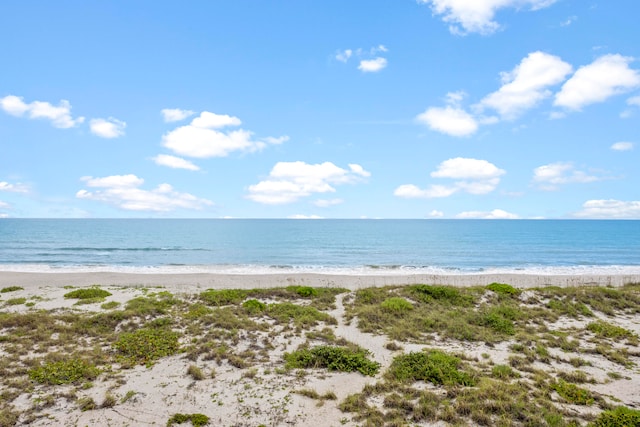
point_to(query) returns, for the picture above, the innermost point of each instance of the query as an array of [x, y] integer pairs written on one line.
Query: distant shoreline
[[189, 281]]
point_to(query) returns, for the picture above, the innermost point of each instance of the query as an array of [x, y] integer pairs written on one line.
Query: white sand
[[194, 281]]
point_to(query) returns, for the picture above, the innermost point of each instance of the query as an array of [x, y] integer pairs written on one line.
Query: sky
[[494, 109]]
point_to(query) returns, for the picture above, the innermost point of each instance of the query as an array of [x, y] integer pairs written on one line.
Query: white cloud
[[527, 84], [410, 191], [4, 205], [613, 209], [174, 162], [59, 116], [634, 100], [204, 137], [300, 216], [344, 55], [472, 176], [323, 203], [436, 214], [175, 114], [291, 181], [107, 128], [549, 177], [622, 146], [476, 16], [450, 120], [13, 188], [494, 214], [372, 65], [123, 192], [464, 168], [607, 76], [208, 120], [367, 64]]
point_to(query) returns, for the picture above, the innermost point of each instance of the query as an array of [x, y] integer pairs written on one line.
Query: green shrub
[[572, 393], [147, 345], [254, 306], [156, 305], [435, 366], [109, 305], [504, 372], [196, 420], [443, 294], [88, 293], [11, 289], [15, 301], [503, 289], [304, 291], [618, 417], [301, 315], [607, 330], [223, 296], [343, 359], [396, 305], [64, 372]]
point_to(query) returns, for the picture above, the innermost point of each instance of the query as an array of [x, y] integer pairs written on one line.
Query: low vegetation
[[333, 358], [551, 342]]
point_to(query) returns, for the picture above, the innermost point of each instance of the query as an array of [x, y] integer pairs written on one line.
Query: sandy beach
[[243, 379], [196, 281]]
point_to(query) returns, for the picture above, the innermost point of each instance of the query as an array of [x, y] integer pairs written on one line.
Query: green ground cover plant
[[11, 289], [87, 293], [15, 301], [333, 358], [64, 372], [573, 394], [618, 417], [196, 420], [432, 365], [503, 289], [145, 346]]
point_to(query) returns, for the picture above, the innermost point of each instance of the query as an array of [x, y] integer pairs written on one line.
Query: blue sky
[[320, 109]]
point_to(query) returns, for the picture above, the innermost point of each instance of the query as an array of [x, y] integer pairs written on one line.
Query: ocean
[[261, 246]]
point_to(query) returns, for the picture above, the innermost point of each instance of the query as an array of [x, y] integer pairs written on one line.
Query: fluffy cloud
[[175, 114], [107, 128], [300, 216], [369, 62], [494, 214], [607, 76], [344, 55], [472, 176], [549, 177], [613, 209], [204, 137], [527, 84], [59, 116], [372, 65], [174, 162], [622, 146], [451, 120], [13, 188], [634, 100], [123, 192], [410, 191], [291, 181], [476, 16]]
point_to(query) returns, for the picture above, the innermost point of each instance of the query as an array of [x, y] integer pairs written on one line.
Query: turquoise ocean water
[[331, 246]]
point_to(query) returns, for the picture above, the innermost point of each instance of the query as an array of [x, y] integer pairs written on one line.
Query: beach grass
[[485, 355]]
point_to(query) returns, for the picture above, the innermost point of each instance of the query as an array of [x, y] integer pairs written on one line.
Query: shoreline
[[186, 281]]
